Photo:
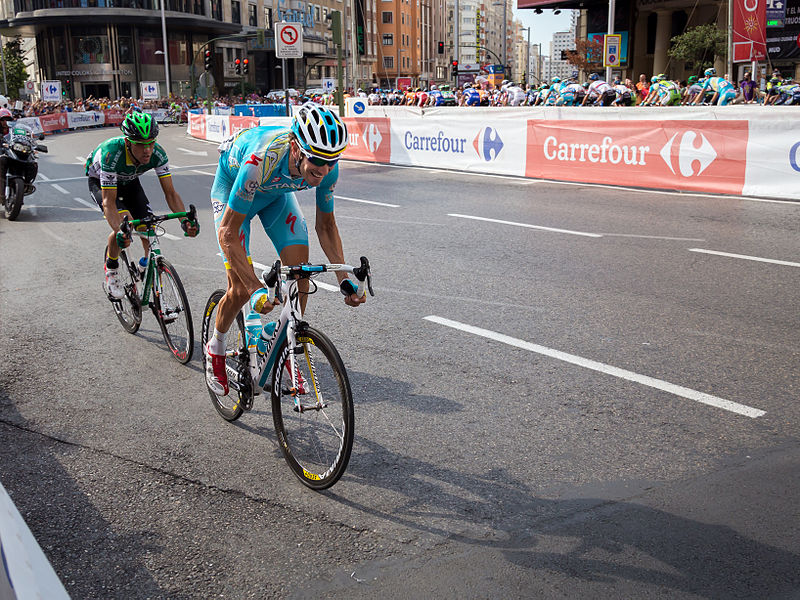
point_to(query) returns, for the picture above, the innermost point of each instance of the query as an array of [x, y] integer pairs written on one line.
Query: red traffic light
[[246, 60], [208, 53], [236, 62], [455, 63]]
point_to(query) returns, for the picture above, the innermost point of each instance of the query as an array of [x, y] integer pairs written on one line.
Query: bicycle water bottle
[[142, 267], [252, 323], [266, 333]]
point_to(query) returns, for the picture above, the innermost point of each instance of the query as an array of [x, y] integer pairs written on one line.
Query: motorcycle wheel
[[14, 198]]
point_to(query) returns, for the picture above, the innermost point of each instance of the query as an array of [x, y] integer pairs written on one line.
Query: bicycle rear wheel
[[315, 433], [229, 407], [173, 313], [128, 308]]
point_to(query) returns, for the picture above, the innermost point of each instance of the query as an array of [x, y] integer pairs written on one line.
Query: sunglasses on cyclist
[[147, 143], [319, 162]]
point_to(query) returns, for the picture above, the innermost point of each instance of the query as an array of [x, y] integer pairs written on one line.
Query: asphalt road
[[576, 400]]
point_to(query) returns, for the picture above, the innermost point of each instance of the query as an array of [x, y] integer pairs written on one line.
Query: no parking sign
[[612, 48]]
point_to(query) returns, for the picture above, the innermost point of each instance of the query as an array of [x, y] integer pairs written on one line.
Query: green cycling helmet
[[139, 127]]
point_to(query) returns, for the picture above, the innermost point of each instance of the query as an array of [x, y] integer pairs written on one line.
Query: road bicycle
[[161, 288], [312, 404]]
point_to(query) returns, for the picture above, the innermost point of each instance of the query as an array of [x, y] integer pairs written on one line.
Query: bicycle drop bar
[[127, 225], [305, 271]]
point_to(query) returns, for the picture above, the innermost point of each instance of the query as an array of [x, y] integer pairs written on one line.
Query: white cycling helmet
[[319, 131]]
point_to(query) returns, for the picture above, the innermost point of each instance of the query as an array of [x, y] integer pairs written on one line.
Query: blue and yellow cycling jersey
[[718, 84], [257, 160]]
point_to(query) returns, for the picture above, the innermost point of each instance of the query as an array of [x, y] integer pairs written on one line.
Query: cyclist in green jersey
[[113, 169]]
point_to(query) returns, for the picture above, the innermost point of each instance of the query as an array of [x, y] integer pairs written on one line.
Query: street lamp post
[[528, 56], [164, 42]]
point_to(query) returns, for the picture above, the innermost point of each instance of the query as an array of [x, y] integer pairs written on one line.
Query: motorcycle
[[20, 152]]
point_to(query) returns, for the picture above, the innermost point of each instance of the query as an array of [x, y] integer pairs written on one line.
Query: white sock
[[217, 343]]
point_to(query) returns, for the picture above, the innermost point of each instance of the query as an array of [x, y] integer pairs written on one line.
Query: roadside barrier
[[741, 151]]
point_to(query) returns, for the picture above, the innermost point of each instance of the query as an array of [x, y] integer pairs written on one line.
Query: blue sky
[[543, 26]]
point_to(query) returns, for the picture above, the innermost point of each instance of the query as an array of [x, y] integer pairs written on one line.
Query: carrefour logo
[[688, 153], [488, 144], [434, 143], [372, 138], [793, 156]]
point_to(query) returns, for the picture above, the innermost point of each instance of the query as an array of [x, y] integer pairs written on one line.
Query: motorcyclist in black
[[32, 168]]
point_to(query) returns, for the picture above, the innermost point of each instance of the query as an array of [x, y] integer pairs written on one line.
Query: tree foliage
[[699, 46], [16, 73], [587, 56]]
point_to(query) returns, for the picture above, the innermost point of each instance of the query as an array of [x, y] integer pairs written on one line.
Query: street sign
[[150, 90], [328, 84], [29, 87], [612, 48], [289, 40], [51, 91]]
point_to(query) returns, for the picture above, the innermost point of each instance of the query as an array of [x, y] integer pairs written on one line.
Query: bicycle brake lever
[[363, 273], [272, 281]]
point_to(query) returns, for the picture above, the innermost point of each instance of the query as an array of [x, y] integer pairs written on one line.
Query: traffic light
[[335, 17], [261, 37], [245, 66], [238, 67], [207, 62], [441, 48], [454, 64]]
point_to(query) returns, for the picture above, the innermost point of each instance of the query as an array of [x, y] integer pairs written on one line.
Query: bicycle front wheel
[[313, 411], [173, 313], [128, 308]]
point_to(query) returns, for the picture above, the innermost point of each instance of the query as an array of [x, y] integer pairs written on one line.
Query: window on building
[[388, 39], [387, 16], [317, 13], [267, 17], [252, 18], [388, 62], [90, 45], [236, 11], [216, 9]]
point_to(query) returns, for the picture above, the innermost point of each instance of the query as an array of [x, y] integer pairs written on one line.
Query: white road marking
[[397, 221], [586, 363], [51, 234], [204, 172], [81, 160], [87, 203], [745, 257], [367, 201], [44, 177], [63, 179], [654, 237], [193, 152], [169, 236], [60, 189], [581, 233], [32, 210]]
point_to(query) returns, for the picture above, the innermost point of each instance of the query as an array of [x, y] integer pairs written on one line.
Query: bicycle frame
[[151, 282]]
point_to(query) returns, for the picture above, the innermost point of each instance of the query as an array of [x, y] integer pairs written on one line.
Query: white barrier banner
[[274, 121], [773, 159], [217, 127], [465, 143], [85, 119], [159, 114], [32, 124], [222, 110]]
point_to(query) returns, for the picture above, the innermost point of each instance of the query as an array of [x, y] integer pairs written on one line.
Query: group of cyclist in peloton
[[259, 170]]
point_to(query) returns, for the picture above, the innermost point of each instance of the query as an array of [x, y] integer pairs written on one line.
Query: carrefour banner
[[90, 118], [465, 142], [704, 156], [773, 158]]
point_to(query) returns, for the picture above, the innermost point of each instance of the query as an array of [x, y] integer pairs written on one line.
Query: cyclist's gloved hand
[[259, 301], [190, 228], [123, 241], [350, 291]]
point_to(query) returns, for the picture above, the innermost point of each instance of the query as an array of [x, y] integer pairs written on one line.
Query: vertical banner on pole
[[749, 30]]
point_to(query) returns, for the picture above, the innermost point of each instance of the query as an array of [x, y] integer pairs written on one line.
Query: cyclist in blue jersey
[[724, 92], [435, 96], [471, 96], [259, 170]]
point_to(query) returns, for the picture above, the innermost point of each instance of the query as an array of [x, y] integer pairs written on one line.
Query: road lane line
[[43, 177], [746, 257], [394, 221], [367, 201], [568, 231], [63, 179], [60, 189], [87, 203], [654, 237], [586, 363], [204, 172], [169, 236]]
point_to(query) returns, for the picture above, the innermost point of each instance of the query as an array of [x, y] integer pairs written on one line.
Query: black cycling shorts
[[130, 197]]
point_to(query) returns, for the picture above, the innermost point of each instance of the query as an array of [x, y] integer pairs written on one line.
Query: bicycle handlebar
[[308, 270], [127, 225]]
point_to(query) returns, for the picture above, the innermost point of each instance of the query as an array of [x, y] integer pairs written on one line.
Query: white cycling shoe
[[113, 285]]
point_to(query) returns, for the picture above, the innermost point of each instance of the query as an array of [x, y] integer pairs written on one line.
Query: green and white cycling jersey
[[113, 165]]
